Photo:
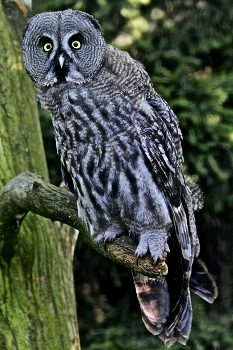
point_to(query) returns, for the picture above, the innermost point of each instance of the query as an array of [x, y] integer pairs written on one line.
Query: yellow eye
[[48, 47], [76, 44]]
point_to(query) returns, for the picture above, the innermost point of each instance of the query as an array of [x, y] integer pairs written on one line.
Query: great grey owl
[[120, 148]]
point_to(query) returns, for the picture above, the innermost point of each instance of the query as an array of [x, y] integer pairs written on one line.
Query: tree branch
[[28, 192]]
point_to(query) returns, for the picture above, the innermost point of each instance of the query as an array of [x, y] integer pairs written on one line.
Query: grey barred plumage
[[120, 148]]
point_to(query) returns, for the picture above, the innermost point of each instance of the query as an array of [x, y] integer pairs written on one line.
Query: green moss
[[37, 304], [23, 150]]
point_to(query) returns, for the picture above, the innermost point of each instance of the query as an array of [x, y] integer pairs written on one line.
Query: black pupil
[[48, 46], [76, 41]]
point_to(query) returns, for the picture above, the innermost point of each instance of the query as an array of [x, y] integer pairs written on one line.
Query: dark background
[[187, 48]]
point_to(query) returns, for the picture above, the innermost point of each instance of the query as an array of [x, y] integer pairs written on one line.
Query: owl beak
[[61, 60]]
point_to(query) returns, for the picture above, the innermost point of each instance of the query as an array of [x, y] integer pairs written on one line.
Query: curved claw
[[98, 244], [105, 243], [155, 262], [137, 259]]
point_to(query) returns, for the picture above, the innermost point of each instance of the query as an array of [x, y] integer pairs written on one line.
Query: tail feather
[[154, 301], [157, 323], [179, 322], [178, 329], [201, 283], [166, 304]]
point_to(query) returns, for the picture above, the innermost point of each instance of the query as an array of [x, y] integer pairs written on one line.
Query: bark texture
[[37, 302]]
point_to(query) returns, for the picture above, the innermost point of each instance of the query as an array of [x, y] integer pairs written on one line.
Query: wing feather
[[163, 155]]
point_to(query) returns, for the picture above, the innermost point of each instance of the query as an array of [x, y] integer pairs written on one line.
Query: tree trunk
[[37, 302]]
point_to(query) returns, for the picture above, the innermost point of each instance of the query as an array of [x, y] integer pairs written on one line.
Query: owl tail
[[154, 301], [201, 283], [166, 308]]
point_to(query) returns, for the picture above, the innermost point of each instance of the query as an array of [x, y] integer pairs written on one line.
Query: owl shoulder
[[120, 62]]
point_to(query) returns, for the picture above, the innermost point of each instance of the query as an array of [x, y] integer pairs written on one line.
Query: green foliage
[[186, 47]]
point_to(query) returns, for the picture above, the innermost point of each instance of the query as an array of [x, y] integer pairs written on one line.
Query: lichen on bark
[[37, 302]]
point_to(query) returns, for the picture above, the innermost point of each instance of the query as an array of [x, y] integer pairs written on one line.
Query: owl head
[[65, 45]]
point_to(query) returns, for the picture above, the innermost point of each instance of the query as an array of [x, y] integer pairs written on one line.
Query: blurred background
[[187, 48]]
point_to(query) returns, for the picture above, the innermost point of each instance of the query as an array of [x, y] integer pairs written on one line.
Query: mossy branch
[[28, 192]]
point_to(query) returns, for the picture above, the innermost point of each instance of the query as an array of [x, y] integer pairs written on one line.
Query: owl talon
[[137, 259], [167, 250], [105, 243]]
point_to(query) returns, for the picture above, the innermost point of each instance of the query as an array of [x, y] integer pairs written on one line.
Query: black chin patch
[[61, 73]]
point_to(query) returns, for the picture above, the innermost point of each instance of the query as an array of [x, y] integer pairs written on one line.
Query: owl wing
[[162, 108], [163, 157], [162, 146], [161, 143]]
